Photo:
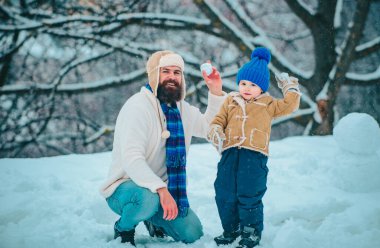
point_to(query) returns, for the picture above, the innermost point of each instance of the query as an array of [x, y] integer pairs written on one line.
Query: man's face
[[170, 86]]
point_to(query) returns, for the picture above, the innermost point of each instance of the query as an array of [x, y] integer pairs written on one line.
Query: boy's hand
[[286, 83], [216, 135]]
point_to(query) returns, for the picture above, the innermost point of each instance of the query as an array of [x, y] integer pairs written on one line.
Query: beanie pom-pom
[[261, 53]]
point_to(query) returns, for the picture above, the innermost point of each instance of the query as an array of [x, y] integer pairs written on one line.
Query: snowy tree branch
[[303, 11], [115, 43], [349, 45], [77, 87], [14, 49], [363, 79], [98, 134], [367, 48], [279, 62]]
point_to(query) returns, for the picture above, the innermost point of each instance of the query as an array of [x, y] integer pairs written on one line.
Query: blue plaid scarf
[[175, 156]]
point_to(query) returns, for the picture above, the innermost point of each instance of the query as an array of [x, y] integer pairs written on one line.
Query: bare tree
[[68, 66], [333, 55]]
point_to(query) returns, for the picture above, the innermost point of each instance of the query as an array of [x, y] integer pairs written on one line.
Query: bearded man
[[147, 177]]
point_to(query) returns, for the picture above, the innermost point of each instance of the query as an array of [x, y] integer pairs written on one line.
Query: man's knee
[[144, 202], [192, 233], [193, 230], [134, 199]]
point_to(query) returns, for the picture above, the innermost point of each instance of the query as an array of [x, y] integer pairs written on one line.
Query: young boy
[[242, 130]]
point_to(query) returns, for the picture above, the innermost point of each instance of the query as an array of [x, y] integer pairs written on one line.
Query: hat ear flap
[[152, 68], [183, 87]]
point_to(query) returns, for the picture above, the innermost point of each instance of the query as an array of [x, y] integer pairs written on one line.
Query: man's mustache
[[173, 81]]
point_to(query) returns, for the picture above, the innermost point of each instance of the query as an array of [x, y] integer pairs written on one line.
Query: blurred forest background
[[67, 67]]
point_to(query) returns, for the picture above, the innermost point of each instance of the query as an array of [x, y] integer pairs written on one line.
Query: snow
[[246, 20], [306, 7], [323, 94], [358, 133], [106, 82], [229, 25], [318, 196], [368, 44], [364, 77], [338, 14], [164, 17], [207, 67]]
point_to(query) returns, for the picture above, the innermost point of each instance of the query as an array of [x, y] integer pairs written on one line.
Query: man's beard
[[168, 94]]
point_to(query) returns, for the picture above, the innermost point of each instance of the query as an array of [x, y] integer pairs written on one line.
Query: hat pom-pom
[[261, 53]]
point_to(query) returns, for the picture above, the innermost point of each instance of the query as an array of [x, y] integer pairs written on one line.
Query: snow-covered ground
[[319, 195]]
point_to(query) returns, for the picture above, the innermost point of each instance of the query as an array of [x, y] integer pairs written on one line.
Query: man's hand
[[213, 81], [168, 204]]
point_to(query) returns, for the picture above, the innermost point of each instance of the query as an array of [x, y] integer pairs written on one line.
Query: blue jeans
[[135, 204]]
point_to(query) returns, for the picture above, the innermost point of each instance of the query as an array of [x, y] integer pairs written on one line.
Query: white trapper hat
[[160, 59]]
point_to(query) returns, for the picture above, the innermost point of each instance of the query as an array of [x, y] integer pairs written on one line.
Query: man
[[147, 176]]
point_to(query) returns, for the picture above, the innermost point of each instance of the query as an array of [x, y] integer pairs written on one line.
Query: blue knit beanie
[[256, 70]]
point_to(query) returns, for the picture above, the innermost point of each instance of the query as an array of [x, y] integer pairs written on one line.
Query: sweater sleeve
[[132, 131], [201, 121], [285, 106]]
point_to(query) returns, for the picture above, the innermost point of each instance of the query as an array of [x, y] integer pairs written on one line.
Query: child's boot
[[227, 237], [250, 237], [126, 236]]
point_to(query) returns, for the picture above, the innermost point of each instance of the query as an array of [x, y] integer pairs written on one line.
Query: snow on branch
[[97, 135], [349, 45], [152, 18], [279, 62], [229, 25], [14, 49], [285, 65], [77, 87], [178, 19], [367, 48], [116, 44], [291, 37], [303, 11], [245, 19], [298, 113], [53, 22], [338, 14], [373, 77]]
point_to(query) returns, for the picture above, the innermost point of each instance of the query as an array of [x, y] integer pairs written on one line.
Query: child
[[242, 130]]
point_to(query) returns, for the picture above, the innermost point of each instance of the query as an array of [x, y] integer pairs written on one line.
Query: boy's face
[[249, 90]]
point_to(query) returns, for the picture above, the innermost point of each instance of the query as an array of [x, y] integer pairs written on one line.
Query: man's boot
[[154, 231], [126, 236], [227, 238], [250, 238]]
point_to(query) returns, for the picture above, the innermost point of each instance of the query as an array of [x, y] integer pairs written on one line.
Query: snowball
[[358, 133], [207, 67]]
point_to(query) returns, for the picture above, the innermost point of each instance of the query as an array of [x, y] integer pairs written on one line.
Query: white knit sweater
[[138, 148]]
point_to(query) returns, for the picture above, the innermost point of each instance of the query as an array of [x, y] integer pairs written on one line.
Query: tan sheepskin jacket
[[247, 124]]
